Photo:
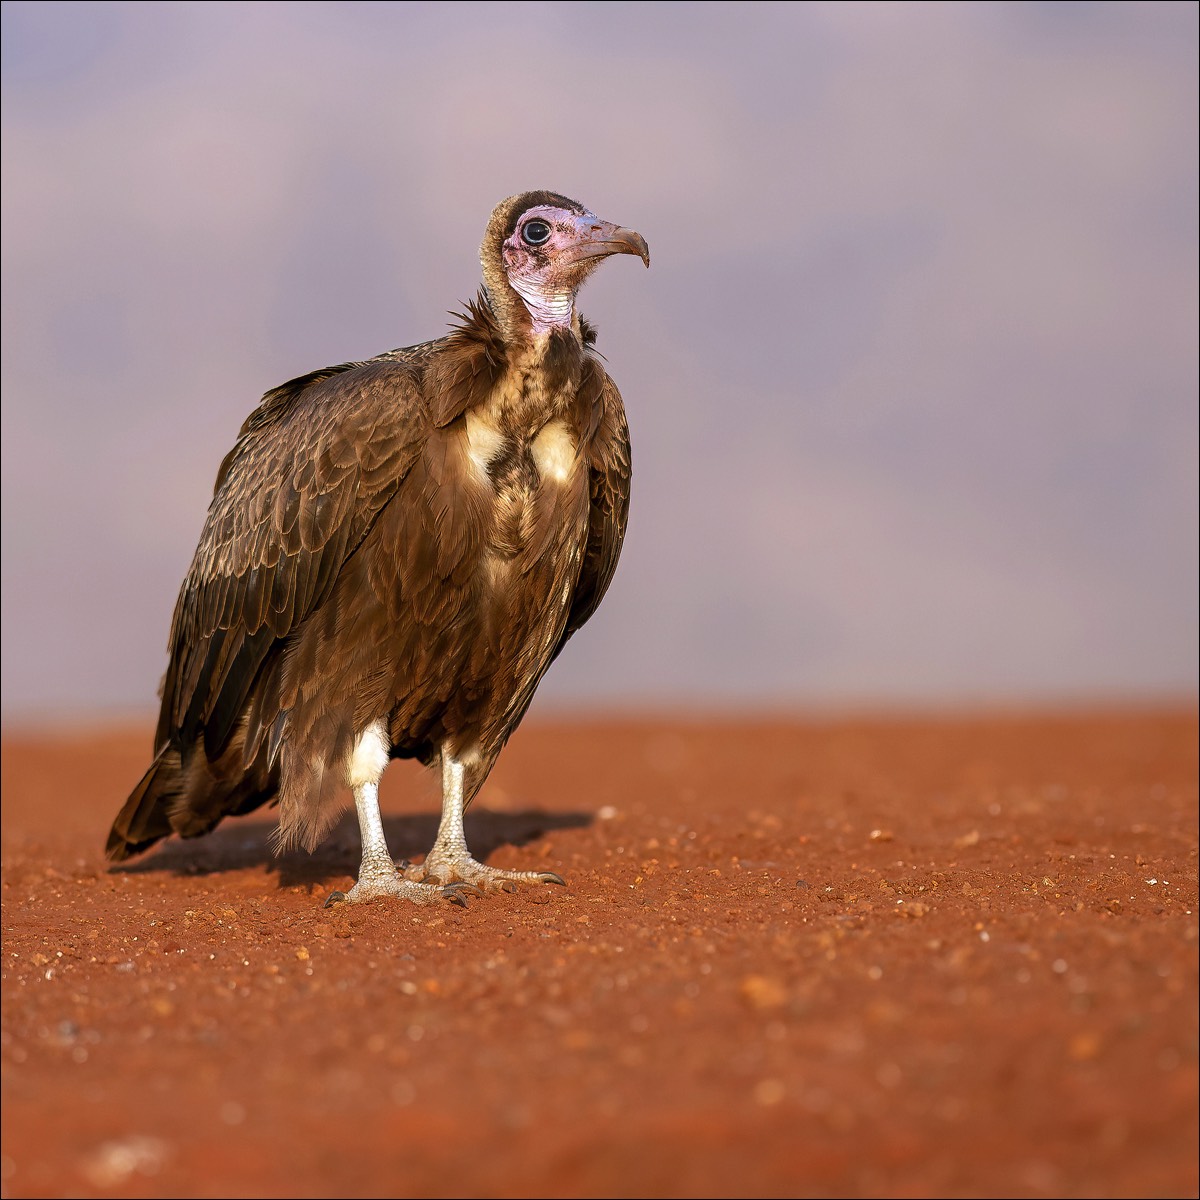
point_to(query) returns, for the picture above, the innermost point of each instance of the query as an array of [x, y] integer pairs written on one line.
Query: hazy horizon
[[912, 380]]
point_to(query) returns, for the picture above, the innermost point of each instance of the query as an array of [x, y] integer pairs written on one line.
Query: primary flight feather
[[394, 554]]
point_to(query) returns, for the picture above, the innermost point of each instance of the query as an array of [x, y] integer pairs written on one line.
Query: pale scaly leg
[[377, 874], [450, 862]]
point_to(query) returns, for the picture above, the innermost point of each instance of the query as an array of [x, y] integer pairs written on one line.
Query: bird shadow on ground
[[243, 845]]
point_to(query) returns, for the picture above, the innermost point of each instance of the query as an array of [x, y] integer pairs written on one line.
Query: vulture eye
[[535, 233]]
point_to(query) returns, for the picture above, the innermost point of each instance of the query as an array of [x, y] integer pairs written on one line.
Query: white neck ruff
[[549, 310]]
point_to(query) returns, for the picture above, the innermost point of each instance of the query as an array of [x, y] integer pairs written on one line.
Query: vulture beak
[[603, 238]]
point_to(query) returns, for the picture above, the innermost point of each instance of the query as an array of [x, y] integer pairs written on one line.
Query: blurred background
[[912, 380]]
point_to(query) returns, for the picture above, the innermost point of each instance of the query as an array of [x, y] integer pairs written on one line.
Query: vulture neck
[[547, 311], [525, 316]]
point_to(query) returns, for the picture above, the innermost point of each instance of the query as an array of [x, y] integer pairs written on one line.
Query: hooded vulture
[[395, 552]]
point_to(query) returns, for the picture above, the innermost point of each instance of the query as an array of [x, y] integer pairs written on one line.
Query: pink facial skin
[[552, 251]]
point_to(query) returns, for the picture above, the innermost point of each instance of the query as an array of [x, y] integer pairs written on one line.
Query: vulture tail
[[145, 817]]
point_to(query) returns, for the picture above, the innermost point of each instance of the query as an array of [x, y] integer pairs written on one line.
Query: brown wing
[[607, 448], [311, 470]]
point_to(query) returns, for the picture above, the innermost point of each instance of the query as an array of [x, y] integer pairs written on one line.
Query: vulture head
[[538, 249]]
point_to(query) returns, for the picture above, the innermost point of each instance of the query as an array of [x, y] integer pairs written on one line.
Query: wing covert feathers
[[609, 473], [312, 468]]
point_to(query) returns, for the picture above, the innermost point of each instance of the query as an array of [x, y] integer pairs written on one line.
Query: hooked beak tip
[[623, 241], [636, 245]]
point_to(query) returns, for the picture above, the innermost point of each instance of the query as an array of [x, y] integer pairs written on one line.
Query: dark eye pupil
[[536, 232]]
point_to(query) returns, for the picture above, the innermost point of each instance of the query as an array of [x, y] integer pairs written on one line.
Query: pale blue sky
[[912, 380]]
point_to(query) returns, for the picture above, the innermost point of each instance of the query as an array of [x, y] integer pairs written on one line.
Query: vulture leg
[[450, 862], [377, 874]]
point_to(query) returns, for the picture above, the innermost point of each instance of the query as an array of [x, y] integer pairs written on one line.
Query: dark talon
[[507, 885], [334, 898], [457, 893], [550, 877]]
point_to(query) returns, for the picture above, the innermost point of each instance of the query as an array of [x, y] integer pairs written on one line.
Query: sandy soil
[[845, 958]]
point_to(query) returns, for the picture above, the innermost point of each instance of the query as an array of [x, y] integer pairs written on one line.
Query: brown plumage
[[395, 552]]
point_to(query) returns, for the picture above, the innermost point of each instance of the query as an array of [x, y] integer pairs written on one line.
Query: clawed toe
[[423, 886], [451, 871], [457, 893], [374, 884], [485, 878]]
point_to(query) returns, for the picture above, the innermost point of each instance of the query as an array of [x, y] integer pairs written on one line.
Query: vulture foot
[[451, 871], [370, 886]]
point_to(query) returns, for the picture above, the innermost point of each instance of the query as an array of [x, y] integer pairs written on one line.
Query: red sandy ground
[[795, 958]]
